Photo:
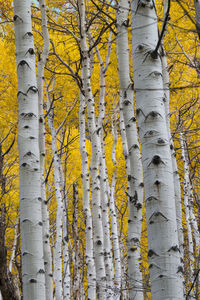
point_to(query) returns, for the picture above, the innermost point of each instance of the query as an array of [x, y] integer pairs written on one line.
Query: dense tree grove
[[99, 149]]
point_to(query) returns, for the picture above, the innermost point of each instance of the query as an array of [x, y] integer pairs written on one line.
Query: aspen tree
[[94, 167], [164, 257], [134, 175], [108, 257], [45, 213], [76, 246], [191, 222], [113, 217], [33, 273], [91, 271], [165, 76], [59, 214], [65, 248]]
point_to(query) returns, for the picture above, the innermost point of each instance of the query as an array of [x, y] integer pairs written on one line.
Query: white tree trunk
[[59, 213], [33, 273], [94, 167], [177, 188], [91, 271], [108, 257], [164, 256], [66, 258], [113, 217], [191, 222], [134, 175], [45, 212]]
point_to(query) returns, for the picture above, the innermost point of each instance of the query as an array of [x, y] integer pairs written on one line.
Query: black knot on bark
[[41, 271], [32, 280], [99, 243], [139, 206], [180, 270], [174, 248], [31, 51], [23, 63], [156, 160], [140, 47], [33, 89]]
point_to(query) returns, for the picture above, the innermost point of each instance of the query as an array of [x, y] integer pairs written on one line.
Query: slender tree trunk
[[108, 256], [59, 213], [164, 256], [191, 222], [113, 217], [45, 212], [135, 179], [76, 246], [94, 167], [91, 271], [66, 258], [33, 273]]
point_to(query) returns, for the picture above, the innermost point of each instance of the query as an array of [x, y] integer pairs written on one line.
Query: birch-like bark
[[94, 167], [91, 271], [191, 222], [76, 247], [164, 256], [59, 213], [33, 273], [177, 188], [134, 175], [66, 258], [14, 244], [108, 257], [113, 217], [45, 212]]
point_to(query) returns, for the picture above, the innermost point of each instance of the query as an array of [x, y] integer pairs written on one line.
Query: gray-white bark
[[164, 256], [134, 165], [45, 212], [33, 273], [59, 213], [94, 167], [91, 271]]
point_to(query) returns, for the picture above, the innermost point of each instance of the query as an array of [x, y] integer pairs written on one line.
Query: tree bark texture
[[33, 273], [164, 256]]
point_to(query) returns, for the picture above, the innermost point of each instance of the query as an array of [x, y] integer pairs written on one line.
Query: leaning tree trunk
[[45, 212], [164, 256], [135, 179], [33, 273]]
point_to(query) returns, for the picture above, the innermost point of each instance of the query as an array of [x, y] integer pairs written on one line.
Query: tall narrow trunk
[[164, 256], [191, 222], [91, 271], [76, 246], [134, 175], [108, 256], [33, 273], [113, 217], [94, 167], [59, 214], [45, 212]]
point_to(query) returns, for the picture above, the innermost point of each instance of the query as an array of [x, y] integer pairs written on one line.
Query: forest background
[[62, 84]]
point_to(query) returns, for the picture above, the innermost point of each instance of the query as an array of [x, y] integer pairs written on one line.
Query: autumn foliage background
[[182, 46]]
